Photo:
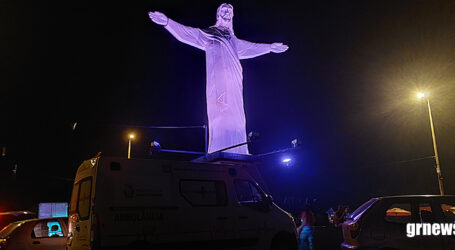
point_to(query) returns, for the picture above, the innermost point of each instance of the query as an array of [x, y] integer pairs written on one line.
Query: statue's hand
[[278, 47], [158, 18]]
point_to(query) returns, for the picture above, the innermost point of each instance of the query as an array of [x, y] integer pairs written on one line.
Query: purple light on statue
[[224, 84]]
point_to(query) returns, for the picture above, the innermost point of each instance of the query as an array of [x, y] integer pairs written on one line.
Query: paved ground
[[327, 238]]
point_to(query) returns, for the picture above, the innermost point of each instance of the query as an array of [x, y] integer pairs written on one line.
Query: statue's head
[[225, 12], [224, 15]]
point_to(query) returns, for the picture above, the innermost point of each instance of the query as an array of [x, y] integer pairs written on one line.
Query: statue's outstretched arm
[[185, 34], [247, 49]]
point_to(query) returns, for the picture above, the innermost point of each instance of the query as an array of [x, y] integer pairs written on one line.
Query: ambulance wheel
[[139, 245], [284, 241]]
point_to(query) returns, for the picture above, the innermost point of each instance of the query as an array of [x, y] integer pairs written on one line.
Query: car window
[[47, 228], [204, 192], [425, 213], [83, 203], [247, 192], [399, 213], [448, 210]]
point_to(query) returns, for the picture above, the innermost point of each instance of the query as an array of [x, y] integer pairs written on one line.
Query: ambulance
[[120, 203]]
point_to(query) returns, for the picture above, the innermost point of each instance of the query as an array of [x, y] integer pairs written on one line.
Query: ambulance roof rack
[[202, 157], [226, 157], [219, 156]]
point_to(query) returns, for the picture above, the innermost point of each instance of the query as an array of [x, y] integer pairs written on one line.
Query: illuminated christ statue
[[224, 90]]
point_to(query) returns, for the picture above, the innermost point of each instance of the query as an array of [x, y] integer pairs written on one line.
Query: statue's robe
[[224, 89]]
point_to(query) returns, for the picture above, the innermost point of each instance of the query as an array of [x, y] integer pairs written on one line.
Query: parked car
[[131, 203], [12, 216], [35, 234], [380, 223]]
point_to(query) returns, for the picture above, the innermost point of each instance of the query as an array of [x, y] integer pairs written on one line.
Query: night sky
[[346, 88]]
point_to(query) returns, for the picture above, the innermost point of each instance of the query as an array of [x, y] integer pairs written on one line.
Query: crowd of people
[[339, 216], [309, 215]]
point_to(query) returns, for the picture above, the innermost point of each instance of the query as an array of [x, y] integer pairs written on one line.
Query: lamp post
[[436, 157], [130, 138]]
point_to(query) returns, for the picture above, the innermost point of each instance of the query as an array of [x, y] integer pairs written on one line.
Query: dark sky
[[345, 88]]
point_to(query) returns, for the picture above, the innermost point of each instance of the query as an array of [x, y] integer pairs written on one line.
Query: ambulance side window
[[74, 196], [84, 198], [203, 193], [247, 192]]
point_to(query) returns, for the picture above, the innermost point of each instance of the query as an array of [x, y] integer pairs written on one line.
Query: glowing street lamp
[[421, 95], [130, 138]]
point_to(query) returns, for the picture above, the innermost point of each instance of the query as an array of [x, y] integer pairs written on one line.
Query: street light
[[421, 95], [130, 138]]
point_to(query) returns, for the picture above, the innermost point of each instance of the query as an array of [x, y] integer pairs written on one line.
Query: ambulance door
[[208, 217], [80, 220], [251, 213]]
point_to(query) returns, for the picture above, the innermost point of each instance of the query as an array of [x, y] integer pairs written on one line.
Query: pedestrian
[[346, 213], [338, 216], [305, 230]]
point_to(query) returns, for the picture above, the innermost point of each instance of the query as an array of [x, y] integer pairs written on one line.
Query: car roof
[[16, 212], [38, 219], [414, 196]]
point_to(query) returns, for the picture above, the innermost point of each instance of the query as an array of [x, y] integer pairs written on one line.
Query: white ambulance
[[162, 204]]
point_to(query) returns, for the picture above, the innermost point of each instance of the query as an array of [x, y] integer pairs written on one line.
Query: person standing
[[340, 215], [305, 230]]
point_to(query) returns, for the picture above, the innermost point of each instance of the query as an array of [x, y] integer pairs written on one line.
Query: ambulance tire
[[284, 241], [139, 245]]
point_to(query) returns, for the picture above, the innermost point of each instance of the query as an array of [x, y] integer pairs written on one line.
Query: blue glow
[[57, 232], [287, 160]]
